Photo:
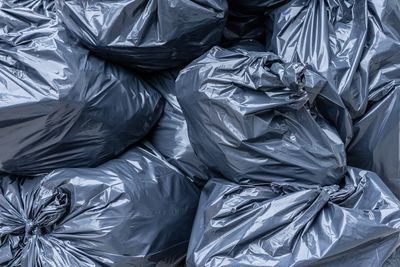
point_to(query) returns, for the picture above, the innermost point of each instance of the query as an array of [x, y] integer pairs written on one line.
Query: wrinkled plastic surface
[[45, 7], [287, 225], [170, 135], [60, 106], [376, 142], [136, 210], [146, 34], [376, 145], [394, 260], [330, 36], [249, 119], [356, 50]]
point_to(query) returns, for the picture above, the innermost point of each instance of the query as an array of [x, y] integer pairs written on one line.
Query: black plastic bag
[[146, 34], [249, 119], [170, 135], [136, 210], [352, 43], [330, 36], [287, 225], [376, 142], [60, 106]]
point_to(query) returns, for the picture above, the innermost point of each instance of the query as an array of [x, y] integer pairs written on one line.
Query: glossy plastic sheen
[[376, 145], [249, 119], [330, 36], [170, 135], [45, 7], [288, 225], [376, 142], [59, 105], [136, 210], [146, 34]]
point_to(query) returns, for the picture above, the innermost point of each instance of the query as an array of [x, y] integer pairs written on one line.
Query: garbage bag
[[249, 118], [59, 105], [376, 142], [283, 224], [170, 135], [146, 34], [136, 210], [330, 36]]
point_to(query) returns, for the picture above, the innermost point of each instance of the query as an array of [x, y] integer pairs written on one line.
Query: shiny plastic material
[[45, 7], [170, 135], [330, 36], [60, 106], [146, 34], [376, 145], [136, 210], [376, 142], [249, 119], [288, 225]]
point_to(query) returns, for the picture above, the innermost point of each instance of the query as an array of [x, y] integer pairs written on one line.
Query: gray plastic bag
[[146, 34], [250, 119], [170, 135], [328, 35], [376, 145], [354, 44], [136, 210], [59, 105], [376, 142], [287, 225]]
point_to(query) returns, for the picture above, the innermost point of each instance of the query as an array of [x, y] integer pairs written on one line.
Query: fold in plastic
[[376, 142], [250, 118], [170, 135], [146, 34], [135, 210], [287, 225], [59, 105]]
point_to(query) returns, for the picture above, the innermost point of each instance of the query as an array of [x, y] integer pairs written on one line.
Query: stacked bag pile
[[199, 133]]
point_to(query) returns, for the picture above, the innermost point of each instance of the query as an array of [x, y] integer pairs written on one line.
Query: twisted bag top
[[250, 118]]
